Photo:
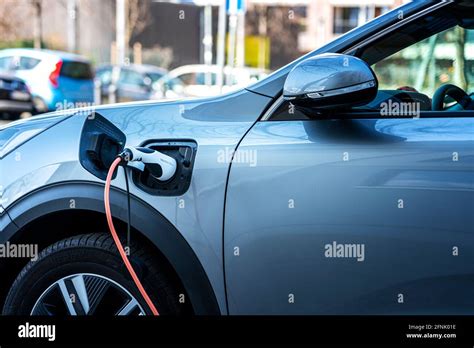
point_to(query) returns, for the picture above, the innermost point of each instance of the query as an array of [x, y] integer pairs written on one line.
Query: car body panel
[[304, 194], [217, 125]]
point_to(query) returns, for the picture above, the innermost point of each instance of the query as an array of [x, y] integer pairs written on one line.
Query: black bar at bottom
[[412, 330]]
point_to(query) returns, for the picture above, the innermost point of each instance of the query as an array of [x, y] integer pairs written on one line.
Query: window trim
[[269, 112], [352, 50], [364, 115], [372, 115]]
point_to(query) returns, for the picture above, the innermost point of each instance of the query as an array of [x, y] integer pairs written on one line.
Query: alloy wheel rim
[[87, 294]]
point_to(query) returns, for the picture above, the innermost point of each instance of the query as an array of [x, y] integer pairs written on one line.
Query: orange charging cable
[[119, 245]]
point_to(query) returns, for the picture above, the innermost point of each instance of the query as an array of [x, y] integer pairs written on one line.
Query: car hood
[[153, 119], [216, 124]]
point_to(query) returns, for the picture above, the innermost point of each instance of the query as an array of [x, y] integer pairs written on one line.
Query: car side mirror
[[331, 81]]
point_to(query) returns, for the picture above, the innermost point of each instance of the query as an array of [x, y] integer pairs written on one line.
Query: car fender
[[144, 218]]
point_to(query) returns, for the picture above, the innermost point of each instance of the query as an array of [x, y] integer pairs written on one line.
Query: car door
[[357, 213]]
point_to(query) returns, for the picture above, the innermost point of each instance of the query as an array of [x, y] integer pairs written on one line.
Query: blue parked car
[[341, 184], [57, 80]]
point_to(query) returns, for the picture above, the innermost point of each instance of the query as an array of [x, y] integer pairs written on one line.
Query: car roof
[[44, 54], [213, 69], [149, 68]]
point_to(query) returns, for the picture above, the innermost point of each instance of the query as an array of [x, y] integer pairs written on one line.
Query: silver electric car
[[343, 183]]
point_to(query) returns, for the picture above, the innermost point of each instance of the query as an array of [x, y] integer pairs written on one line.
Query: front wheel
[[84, 275]]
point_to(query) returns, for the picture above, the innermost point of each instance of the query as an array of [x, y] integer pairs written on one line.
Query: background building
[[172, 33], [330, 18]]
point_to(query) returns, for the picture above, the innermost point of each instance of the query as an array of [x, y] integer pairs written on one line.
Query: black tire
[[96, 254]]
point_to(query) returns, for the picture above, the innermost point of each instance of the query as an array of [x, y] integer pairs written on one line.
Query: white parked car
[[201, 80]]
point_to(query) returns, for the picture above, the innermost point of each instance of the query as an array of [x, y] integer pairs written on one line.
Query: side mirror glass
[[331, 81]]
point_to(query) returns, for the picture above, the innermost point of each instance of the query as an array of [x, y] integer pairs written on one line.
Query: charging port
[[100, 144], [184, 152]]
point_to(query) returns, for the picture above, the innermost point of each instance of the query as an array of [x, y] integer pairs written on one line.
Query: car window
[[131, 77], [175, 84], [104, 75], [419, 58], [235, 78], [212, 78], [154, 76], [190, 78], [199, 78], [25, 63], [5, 63], [77, 70], [443, 58], [345, 18], [413, 62]]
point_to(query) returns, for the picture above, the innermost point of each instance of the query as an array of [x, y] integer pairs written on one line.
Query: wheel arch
[[75, 204]]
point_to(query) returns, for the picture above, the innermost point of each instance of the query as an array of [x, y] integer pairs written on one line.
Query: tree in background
[[16, 30], [282, 25], [460, 73], [9, 25], [37, 26], [138, 17]]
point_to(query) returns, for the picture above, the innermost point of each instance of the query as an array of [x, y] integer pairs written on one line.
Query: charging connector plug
[[162, 167]]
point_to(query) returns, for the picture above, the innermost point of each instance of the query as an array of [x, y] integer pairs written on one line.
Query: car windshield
[[77, 70], [154, 76]]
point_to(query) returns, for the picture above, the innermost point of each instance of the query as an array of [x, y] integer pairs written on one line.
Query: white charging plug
[[162, 167]]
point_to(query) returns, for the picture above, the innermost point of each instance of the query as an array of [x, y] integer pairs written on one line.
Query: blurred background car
[[200, 80], [128, 82], [134, 43], [15, 97], [54, 78]]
